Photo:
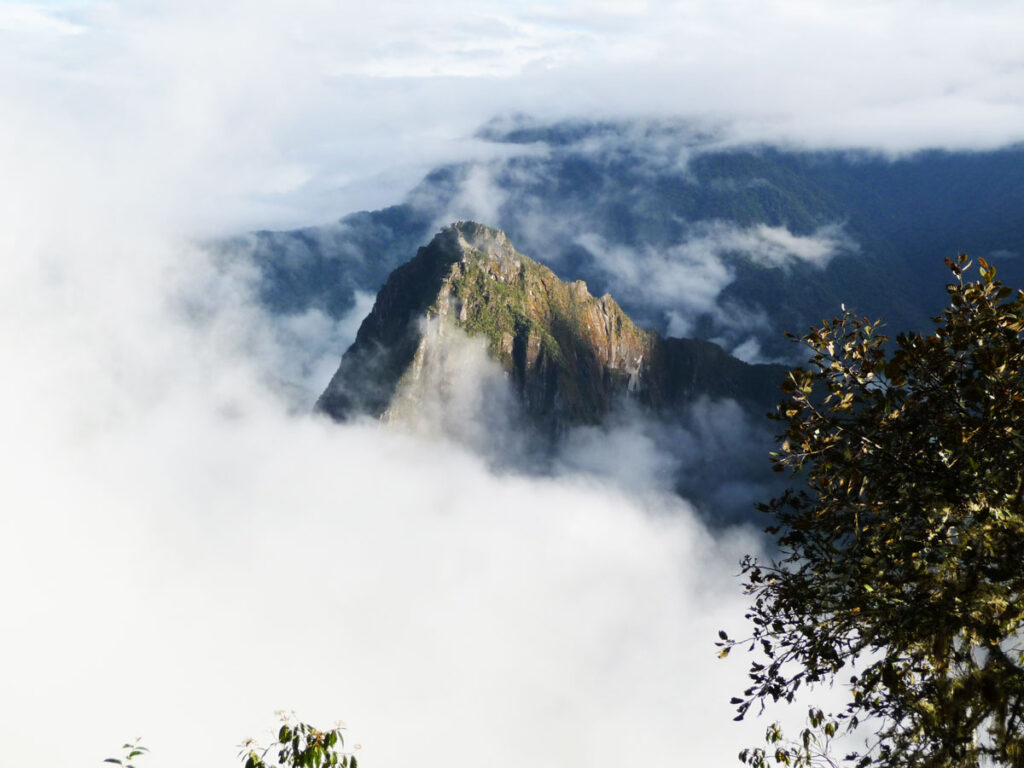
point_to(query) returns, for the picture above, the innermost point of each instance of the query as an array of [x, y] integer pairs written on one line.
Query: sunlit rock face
[[566, 356]]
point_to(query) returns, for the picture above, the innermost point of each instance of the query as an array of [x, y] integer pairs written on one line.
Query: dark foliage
[[899, 574]]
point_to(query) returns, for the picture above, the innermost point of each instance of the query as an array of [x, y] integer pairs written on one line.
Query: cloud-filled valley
[[186, 548], [190, 558]]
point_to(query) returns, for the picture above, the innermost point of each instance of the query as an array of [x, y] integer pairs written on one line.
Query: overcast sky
[[260, 113], [180, 556]]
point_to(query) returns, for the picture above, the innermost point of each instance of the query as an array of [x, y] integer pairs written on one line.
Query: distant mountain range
[[731, 244], [707, 249]]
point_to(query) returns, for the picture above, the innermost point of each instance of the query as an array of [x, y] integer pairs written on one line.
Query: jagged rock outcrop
[[569, 354]]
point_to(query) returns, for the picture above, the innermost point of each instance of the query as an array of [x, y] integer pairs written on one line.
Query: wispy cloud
[[295, 114], [686, 280]]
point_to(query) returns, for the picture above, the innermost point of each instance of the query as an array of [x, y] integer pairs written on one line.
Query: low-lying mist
[[186, 549], [185, 555], [713, 452]]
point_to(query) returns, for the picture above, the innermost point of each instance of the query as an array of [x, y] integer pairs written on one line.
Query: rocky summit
[[570, 355]]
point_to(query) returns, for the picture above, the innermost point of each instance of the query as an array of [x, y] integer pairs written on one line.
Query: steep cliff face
[[568, 354]]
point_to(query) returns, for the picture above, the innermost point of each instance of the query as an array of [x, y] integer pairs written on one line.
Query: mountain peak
[[480, 241], [568, 354]]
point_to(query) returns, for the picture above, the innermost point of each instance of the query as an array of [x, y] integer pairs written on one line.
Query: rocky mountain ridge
[[570, 356]]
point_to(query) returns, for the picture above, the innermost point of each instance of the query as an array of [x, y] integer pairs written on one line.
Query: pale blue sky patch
[[35, 18]]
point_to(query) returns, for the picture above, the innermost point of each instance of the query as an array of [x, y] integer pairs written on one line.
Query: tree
[[900, 568]]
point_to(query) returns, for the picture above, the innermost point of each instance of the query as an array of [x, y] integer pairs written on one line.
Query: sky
[[182, 554], [258, 114]]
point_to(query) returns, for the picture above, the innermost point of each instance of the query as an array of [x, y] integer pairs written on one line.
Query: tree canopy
[[900, 567]]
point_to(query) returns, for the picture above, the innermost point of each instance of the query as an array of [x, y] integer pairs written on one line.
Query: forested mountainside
[[733, 244]]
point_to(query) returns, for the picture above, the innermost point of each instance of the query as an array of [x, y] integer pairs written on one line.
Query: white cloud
[[305, 347], [478, 198], [189, 558], [685, 281], [777, 246], [454, 390], [285, 114], [33, 20]]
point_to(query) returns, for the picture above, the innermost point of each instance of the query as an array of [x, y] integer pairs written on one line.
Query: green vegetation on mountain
[[899, 578], [568, 353]]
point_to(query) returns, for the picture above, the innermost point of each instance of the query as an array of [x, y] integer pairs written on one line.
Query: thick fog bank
[[184, 555], [183, 558]]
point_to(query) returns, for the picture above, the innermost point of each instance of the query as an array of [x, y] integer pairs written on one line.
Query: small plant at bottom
[[131, 751], [300, 746]]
